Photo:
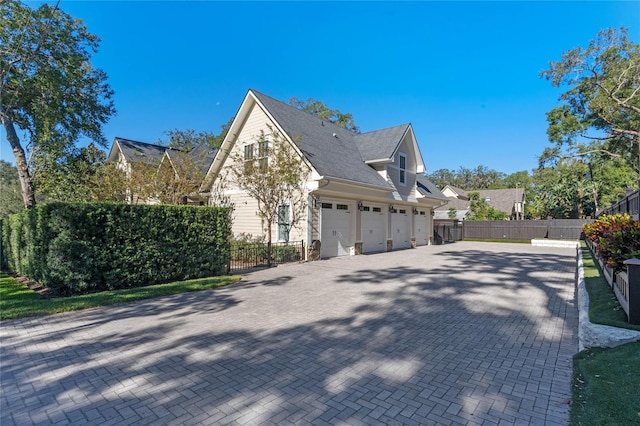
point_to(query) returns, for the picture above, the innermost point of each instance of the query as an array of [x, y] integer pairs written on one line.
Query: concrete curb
[[537, 242], [592, 335]]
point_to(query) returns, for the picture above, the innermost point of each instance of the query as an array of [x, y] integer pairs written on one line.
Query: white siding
[[246, 218]]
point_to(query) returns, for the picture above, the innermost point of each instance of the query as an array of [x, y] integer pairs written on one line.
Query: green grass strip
[[603, 304], [606, 386], [17, 301]]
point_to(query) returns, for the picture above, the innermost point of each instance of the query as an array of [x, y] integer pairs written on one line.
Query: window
[[342, 207], [403, 211], [248, 156], [377, 210], [366, 208], [403, 169], [327, 205], [284, 216], [263, 155]]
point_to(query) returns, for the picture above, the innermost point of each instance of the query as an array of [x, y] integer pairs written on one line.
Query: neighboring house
[[365, 192], [126, 152], [511, 201]]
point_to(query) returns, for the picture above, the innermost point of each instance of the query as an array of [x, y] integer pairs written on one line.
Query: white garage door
[[336, 230], [422, 228], [374, 229], [401, 228]]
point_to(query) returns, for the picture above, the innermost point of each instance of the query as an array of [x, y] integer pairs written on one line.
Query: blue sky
[[465, 74]]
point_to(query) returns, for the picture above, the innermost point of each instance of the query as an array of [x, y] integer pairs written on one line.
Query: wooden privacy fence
[[628, 203], [565, 229]]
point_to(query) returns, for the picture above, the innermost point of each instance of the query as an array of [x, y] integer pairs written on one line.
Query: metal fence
[[245, 256], [446, 232], [628, 203]]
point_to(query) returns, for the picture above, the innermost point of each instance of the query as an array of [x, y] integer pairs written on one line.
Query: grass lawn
[[603, 305], [606, 383], [606, 386], [17, 301]]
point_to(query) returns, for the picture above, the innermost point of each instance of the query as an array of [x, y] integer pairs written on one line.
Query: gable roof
[[134, 151], [330, 149], [499, 199], [380, 144]]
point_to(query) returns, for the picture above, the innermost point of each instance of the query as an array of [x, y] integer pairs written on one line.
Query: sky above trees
[[465, 74]]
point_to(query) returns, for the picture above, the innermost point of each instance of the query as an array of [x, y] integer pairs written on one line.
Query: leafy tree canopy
[[322, 111], [600, 113], [10, 198], [48, 87], [468, 179]]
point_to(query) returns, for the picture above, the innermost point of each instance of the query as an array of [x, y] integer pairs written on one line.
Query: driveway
[[467, 333]]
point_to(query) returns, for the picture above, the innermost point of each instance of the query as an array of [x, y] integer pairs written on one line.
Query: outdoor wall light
[[391, 208], [360, 206], [415, 211]]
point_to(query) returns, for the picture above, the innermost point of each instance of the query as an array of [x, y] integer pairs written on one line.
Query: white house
[[366, 192]]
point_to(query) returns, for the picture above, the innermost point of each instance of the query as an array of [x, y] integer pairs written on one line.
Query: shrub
[[617, 238], [75, 248]]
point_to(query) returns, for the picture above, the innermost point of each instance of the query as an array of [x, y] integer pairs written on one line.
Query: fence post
[[633, 275]]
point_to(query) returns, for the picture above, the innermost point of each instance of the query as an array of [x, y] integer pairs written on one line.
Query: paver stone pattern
[[466, 333]]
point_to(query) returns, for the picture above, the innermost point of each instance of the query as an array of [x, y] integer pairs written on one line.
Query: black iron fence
[[447, 232], [246, 256], [628, 203]]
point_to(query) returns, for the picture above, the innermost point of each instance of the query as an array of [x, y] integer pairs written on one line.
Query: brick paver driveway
[[468, 333]]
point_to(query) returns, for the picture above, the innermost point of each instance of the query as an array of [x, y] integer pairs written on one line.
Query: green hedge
[[75, 248]]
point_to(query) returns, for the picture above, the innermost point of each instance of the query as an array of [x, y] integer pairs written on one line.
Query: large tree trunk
[[26, 181]]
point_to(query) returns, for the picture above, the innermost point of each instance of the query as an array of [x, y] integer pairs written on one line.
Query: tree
[[479, 178], [178, 175], [275, 174], [187, 140], [71, 178], [479, 209], [600, 113], [48, 87], [563, 191], [322, 111], [10, 198]]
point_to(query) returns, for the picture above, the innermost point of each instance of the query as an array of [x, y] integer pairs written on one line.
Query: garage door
[[336, 230], [374, 229], [401, 228], [422, 228]]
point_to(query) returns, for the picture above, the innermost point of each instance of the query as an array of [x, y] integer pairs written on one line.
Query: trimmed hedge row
[[75, 248]]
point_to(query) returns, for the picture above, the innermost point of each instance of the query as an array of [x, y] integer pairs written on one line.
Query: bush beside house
[[74, 248]]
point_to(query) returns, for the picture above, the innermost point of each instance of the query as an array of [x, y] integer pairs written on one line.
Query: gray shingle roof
[[428, 188], [330, 149], [500, 199], [135, 151], [380, 144]]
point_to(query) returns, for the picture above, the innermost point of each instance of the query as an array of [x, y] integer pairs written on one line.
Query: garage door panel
[[336, 230], [374, 235], [422, 229], [401, 229]]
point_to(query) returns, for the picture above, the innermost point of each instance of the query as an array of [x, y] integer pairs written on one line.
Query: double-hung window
[[248, 156], [263, 155], [403, 169]]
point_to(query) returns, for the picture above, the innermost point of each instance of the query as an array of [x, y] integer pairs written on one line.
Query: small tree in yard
[[273, 173]]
